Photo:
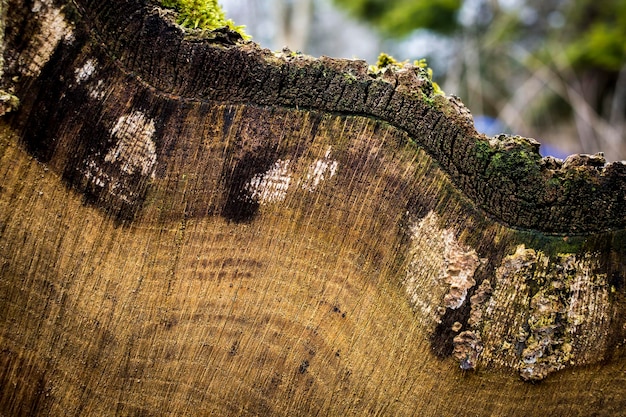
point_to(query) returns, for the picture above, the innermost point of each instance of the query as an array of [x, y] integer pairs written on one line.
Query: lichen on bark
[[562, 313]]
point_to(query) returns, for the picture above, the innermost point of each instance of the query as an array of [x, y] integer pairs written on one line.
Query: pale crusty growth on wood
[[441, 271], [540, 314], [546, 313], [477, 301], [423, 283], [203, 227]]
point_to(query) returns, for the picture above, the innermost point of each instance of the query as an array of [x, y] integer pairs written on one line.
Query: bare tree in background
[[294, 18], [314, 27]]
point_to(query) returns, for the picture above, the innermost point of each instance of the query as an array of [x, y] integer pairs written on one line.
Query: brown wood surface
[[179, 239]]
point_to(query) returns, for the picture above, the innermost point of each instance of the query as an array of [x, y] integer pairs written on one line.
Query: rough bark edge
[[504, 175]]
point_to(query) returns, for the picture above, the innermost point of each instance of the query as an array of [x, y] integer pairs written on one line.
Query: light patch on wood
[[320, 170], [52, 29], [440, 271], [85, 72], [271, 186], [460, 265], [134, 150], [505, 313], [2, 28], [588, 312], [96, 174], [132, 153], [98, 91]]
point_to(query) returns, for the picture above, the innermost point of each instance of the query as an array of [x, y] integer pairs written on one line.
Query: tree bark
[[193, 225]]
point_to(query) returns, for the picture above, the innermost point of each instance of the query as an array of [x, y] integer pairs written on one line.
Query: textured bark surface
[[192, 225]]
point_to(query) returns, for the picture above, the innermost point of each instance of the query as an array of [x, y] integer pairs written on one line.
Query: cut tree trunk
[[193, 225]]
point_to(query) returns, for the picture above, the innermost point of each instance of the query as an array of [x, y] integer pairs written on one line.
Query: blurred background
[[553, 70]]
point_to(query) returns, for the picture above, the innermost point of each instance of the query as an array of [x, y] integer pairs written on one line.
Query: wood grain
[[169, 254]]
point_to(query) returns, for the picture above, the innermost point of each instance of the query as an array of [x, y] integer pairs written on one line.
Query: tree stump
[[193, 225]]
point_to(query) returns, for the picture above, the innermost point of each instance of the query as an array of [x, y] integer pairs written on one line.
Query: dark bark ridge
[[505, 175]]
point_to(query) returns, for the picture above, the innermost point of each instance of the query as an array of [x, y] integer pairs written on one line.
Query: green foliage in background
[[594, 32], [202, 14], [398, 18], [597, 30]]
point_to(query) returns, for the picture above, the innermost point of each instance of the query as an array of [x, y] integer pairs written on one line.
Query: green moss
[[517, 163], [550, 245], [422, 64], [349, 77], [430, 88], [512, 158], [387, 61], [484, 152], [438, 90], [428, 100], [202, 14]]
